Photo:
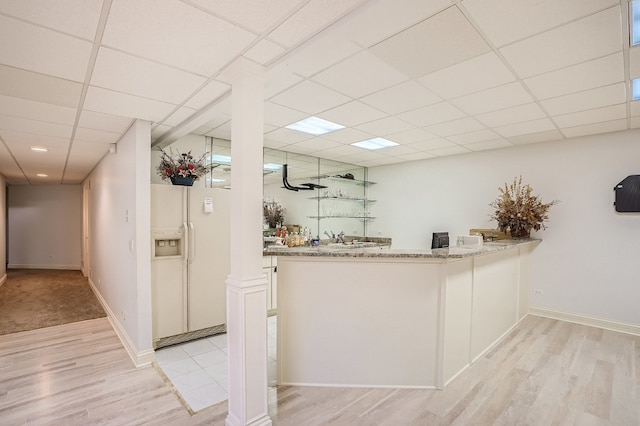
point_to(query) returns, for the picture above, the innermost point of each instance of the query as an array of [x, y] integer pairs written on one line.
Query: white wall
[[45, 226], [120, 235], [3, 227], [587, 262]]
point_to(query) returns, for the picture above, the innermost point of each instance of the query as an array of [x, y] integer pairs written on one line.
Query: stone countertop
[[382, 252]]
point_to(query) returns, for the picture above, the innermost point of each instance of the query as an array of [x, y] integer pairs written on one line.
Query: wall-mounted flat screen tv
[[628, 194]]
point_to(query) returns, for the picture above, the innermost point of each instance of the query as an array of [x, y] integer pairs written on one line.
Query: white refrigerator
[[190, 230]]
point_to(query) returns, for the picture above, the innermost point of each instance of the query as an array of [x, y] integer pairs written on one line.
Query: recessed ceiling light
[[635, 22], [39, 149], [375, 143], [315, 126], [272, 166], [42, 175]]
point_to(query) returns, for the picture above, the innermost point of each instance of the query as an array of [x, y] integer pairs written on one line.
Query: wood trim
[[621, 327], [139, 358]]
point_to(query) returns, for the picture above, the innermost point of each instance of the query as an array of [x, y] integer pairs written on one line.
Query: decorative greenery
[[274, 213], [518, 211], [181, 165]]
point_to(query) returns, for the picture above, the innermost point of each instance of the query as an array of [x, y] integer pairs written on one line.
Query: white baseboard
[[38, 266], [586, 320], [3, 279], [139, 358]]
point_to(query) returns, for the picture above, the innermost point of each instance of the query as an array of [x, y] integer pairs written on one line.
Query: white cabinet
[[270, 270]]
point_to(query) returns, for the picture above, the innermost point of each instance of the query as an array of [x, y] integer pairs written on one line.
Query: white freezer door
[[209, 262]]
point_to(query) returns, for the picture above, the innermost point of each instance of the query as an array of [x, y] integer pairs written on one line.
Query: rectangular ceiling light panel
[[315, 126], [375, 143]]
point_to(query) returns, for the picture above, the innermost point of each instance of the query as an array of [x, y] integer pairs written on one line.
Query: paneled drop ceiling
[[438, 77]]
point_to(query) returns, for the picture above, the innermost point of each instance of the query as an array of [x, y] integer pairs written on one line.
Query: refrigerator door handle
[[192, 242], [186, 241]]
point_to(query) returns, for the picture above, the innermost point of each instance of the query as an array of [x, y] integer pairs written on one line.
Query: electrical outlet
[[123, 315]]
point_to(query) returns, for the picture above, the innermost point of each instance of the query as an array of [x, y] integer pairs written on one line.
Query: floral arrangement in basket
[[518, 211], [176, 165], [274, 213]]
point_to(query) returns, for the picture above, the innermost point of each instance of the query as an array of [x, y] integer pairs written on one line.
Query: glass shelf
[[342, 217], [356, 199], [340, 179]]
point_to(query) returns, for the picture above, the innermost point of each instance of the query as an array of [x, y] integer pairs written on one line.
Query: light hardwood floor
[[545, 372]]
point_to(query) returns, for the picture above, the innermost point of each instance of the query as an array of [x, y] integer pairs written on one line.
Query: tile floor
[[198, 369]]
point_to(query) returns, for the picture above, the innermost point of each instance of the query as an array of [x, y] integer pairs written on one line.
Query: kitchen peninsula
[[395, 318]]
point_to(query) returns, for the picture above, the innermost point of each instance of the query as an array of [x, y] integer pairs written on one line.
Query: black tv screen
[[440, 240]]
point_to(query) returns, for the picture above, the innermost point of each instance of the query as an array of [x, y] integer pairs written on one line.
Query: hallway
[[37, 298]]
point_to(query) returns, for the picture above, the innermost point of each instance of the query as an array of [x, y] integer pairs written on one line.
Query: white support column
[[246, 285]]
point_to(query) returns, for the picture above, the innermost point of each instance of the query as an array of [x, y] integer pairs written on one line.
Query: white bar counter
[[395, 318]]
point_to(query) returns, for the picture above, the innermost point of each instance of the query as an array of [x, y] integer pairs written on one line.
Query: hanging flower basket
[[184, 181], [181, 169]]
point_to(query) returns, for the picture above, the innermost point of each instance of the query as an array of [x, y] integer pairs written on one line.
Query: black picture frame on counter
[[440, 240]]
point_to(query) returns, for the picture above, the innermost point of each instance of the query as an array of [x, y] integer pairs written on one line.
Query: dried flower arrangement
[[517, 211], [274, 213], [176, 165]]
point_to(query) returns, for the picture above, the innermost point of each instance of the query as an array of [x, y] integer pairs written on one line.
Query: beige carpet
[[37, 298]]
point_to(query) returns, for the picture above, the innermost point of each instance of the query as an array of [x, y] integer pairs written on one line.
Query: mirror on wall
[[338, 202]]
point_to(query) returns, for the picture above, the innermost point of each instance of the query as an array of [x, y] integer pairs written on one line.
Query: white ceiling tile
[[584, 76], [432, 144], [287, 135], [511, 115], [320, 53], [140, 77], [442, 40], [609, 113], [589, 38], [217, 121], [635, 108], [278, 79], [95, 136], [20, 143], [106, 122], [45, 48], [311, 18], [360, 75], [535, 126], [264, 52], [77, 17], [453, 150], [115, 103], [281, 116], [589, 99], [489, 144], [35, 127], [551, 135], [347, 136], [255, 16], [402, 97], [223, 131], [341, 151], [473, 137], [9, 167], [506, 21], [174, 33], [213, 90], [455, 127], [364, 26], [473, 75], [432, 114], [385, 126], [179, 116], [595, 128], [352, 114], [16, 107], [159, 130], [313, 145], [39, 87], [268, 143], [310, 97], [634, 122], [397, 150], [501, 97], [416, 156], [412, 136]]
